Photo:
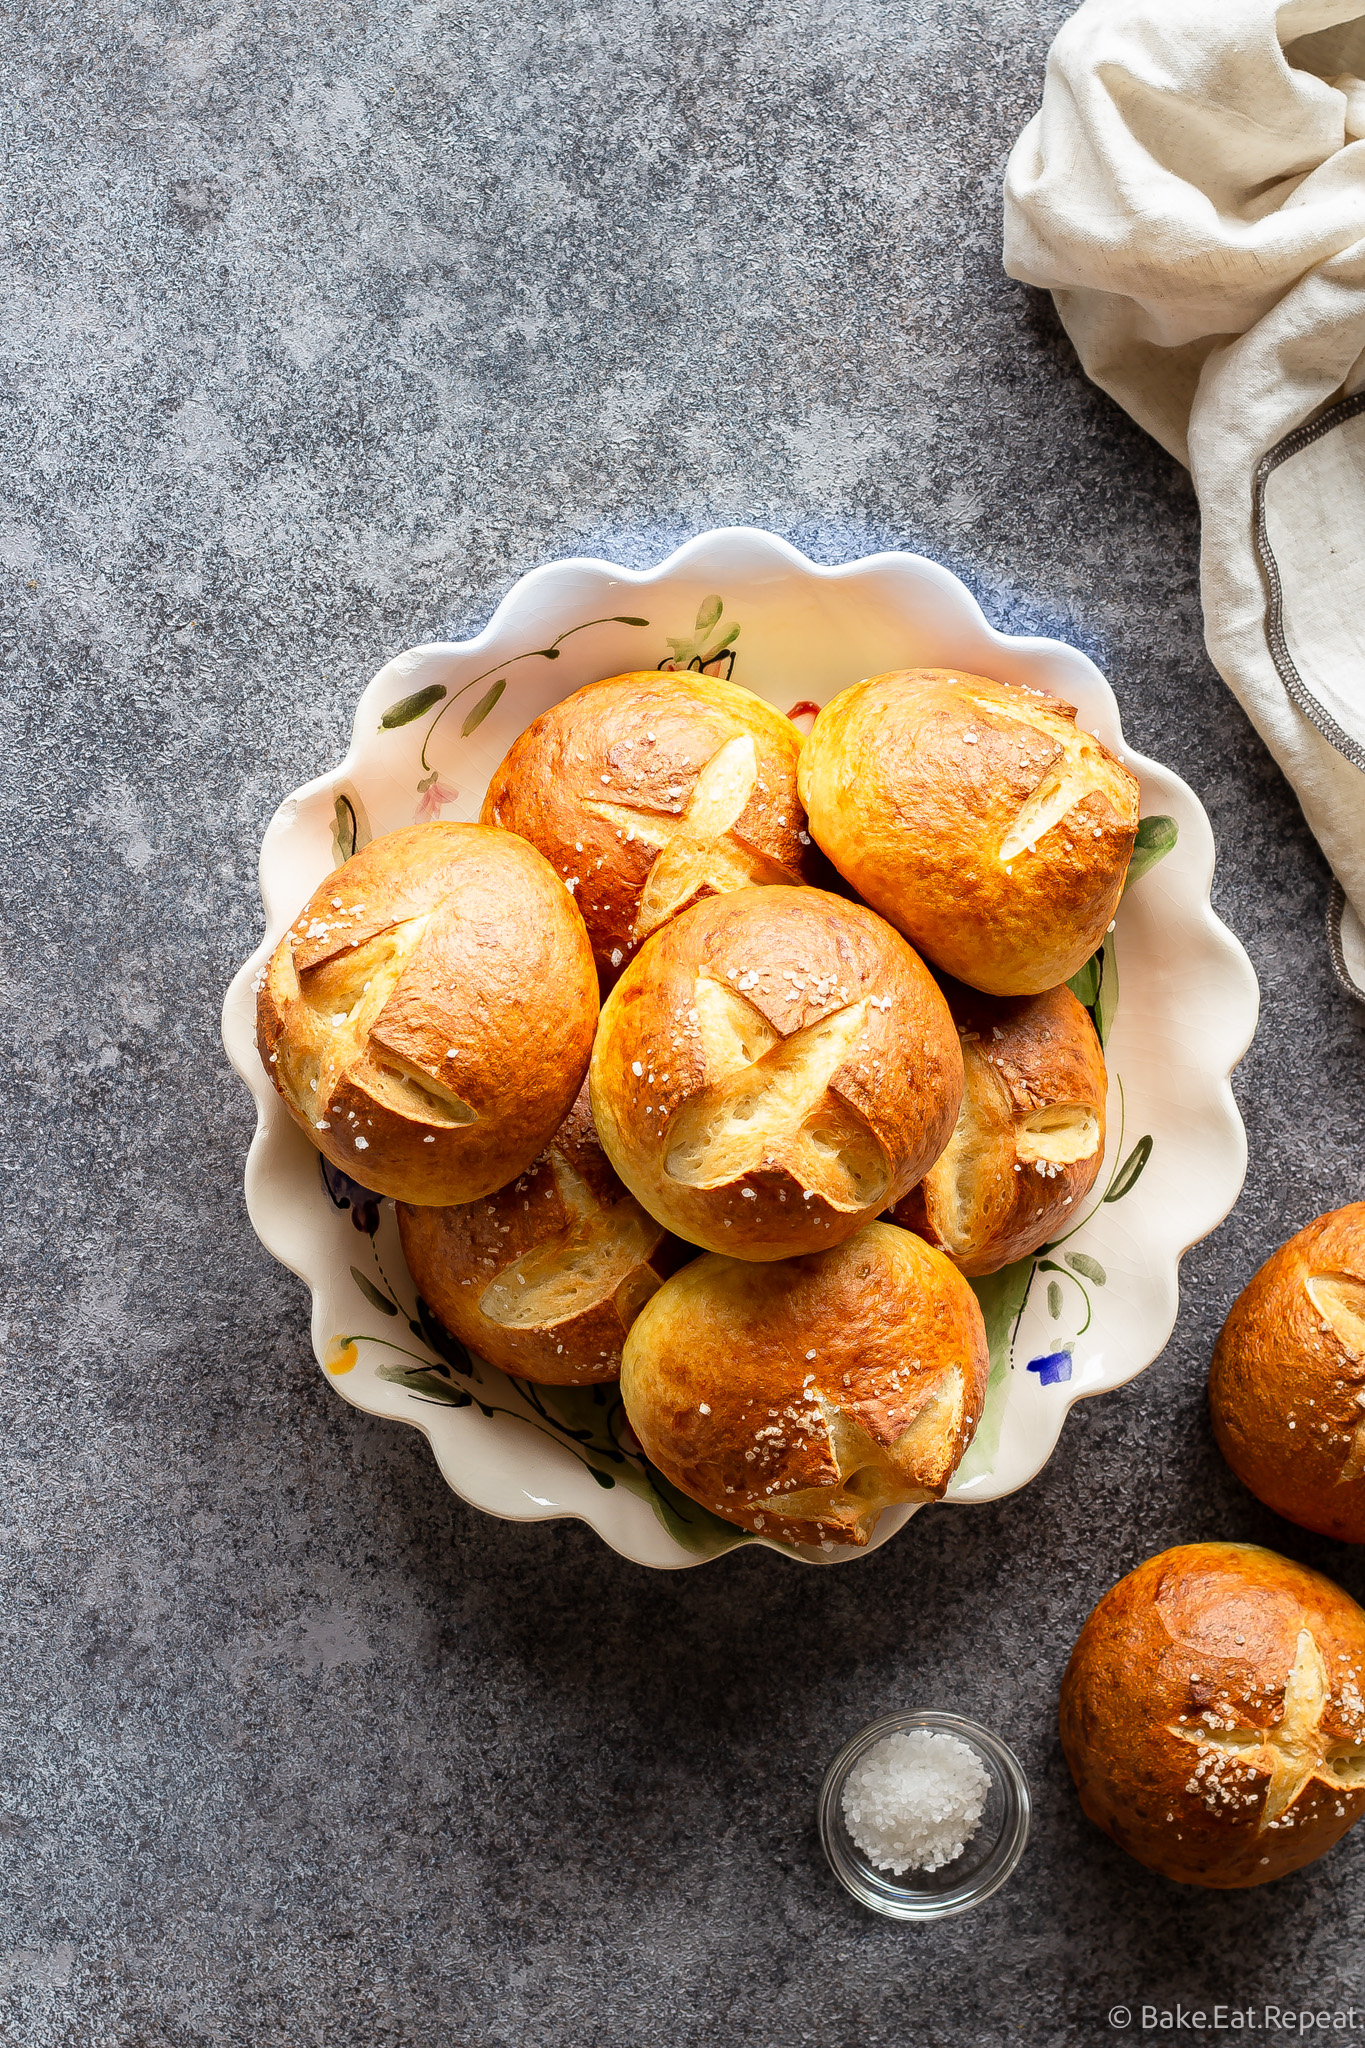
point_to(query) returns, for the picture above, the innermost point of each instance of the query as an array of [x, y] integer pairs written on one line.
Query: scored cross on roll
[[1287, 1385], [647, 791], [1029, 1138], [427, 1017], [774, 1068], [1212, 1714], [978, 817], [801, 1399], [544, 1277]]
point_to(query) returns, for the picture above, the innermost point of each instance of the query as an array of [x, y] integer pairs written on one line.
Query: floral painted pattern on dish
[[1005, 1295], [588, 1421], [434, 794], [693, 652], [706, 650], [1053, 1367]]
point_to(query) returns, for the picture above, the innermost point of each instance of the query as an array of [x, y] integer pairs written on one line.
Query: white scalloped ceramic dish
[[794, 631]]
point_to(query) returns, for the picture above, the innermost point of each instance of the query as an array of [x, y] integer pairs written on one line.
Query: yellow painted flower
[[341, 1355]]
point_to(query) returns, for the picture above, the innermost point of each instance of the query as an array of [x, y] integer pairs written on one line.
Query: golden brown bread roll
[[801, 1399], [647, 791], [977, 818], [1287, 1388], [1029, 1139], [428, 1016], [773, 1069], [1212, 1714], [544, 1277]]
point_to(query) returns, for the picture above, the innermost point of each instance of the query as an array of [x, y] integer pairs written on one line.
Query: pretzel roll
[[648, 791], [544, 1277], [1212, 1714], [429, 1014], [772, 1069], [1287, 1388], [1029, 1139], [977, 818], [800, 1399]]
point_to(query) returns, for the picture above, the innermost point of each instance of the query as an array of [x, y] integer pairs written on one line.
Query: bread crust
[[1212, 1716], [428, 1016], [800, 1399], [1029, 1139], [977, 818], [544, 1277], [1287, 1384], [649, 790], [772, 1070]]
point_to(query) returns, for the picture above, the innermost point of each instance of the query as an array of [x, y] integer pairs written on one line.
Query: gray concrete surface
[[325, 324]]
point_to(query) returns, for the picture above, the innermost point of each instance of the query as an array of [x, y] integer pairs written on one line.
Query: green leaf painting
[[1055, 1295], [692, 650], [372, 1294], [1107, 1000], [408, 708], [343, 829], [1081, 1262], [1085, 983], [589, 1422], [593, 1415], [483, 707], [1125, 1180], [1156, 837], [1096, 985], [1004, 1296], [350, 827], [1001, 1297], [420, 701], [428, 1386]]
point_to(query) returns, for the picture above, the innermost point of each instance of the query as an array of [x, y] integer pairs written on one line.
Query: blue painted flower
[[1052, 1367]]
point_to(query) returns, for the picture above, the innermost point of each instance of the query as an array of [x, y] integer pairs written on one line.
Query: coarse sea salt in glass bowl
[[996, 1843]]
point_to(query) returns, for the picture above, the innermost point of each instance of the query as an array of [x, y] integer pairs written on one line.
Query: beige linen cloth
[[1193, 194]]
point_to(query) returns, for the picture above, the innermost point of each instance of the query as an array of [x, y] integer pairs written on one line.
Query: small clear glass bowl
[[984, 1864]]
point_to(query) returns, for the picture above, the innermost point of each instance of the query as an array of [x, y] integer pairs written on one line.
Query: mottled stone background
[[324, 323]]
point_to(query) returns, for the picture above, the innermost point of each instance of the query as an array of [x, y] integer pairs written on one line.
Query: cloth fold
[[1192, 192]]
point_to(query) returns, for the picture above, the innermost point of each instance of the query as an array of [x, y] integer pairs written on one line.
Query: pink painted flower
[[434, 795]]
